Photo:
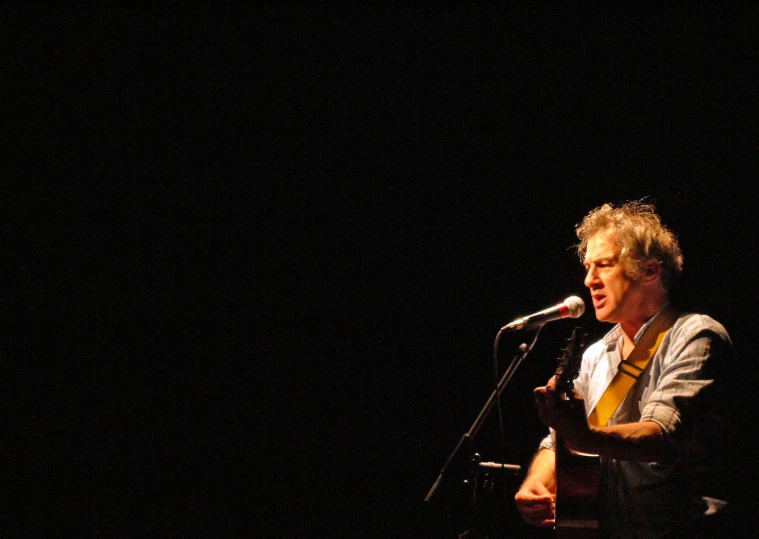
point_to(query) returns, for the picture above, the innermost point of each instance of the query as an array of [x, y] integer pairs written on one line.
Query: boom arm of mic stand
[[467, 438]]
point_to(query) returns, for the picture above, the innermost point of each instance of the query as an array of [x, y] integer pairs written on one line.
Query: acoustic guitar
[[577, 474]]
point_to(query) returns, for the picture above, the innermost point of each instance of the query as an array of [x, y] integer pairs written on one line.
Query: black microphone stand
[[467, 438]]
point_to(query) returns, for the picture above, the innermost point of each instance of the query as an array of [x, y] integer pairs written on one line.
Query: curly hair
[[641, 235]]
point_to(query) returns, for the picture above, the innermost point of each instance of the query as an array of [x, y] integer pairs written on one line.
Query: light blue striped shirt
[[677, 390]]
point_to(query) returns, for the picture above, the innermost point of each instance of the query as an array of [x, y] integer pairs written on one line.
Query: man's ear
[[651, 270]]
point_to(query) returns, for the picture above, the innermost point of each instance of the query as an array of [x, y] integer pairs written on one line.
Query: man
[[662, 450]]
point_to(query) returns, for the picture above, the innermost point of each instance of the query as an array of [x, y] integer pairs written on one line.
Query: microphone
[[572, 307]]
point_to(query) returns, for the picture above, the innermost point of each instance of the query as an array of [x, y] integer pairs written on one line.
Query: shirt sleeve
[[688, 369], [549, 442]]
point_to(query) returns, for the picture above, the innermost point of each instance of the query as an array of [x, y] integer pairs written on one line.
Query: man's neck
[[630, 328]]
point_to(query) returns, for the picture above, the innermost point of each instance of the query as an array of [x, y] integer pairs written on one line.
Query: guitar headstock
[[569, 362]]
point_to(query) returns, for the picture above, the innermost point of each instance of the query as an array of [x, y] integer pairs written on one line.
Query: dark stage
[[257, 258]]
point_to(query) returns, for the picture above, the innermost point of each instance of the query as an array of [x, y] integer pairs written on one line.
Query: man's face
[[614, 294]]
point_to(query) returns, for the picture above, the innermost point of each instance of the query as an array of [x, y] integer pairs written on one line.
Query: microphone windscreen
[[576, 306]]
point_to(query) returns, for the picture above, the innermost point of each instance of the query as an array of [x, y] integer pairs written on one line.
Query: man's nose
[[590, 277]]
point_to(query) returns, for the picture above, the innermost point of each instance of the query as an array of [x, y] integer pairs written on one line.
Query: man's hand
[[567, 418], [536, 505]]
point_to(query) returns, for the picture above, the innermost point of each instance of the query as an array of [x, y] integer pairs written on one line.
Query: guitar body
[[577, 475], [577, 483]]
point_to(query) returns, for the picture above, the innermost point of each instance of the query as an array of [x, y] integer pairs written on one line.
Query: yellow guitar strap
[[631, 368]]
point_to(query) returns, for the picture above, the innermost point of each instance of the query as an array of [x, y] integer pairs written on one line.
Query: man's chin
[[603, 316]]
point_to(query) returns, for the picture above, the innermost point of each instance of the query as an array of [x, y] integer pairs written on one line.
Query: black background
[[257, 258]]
